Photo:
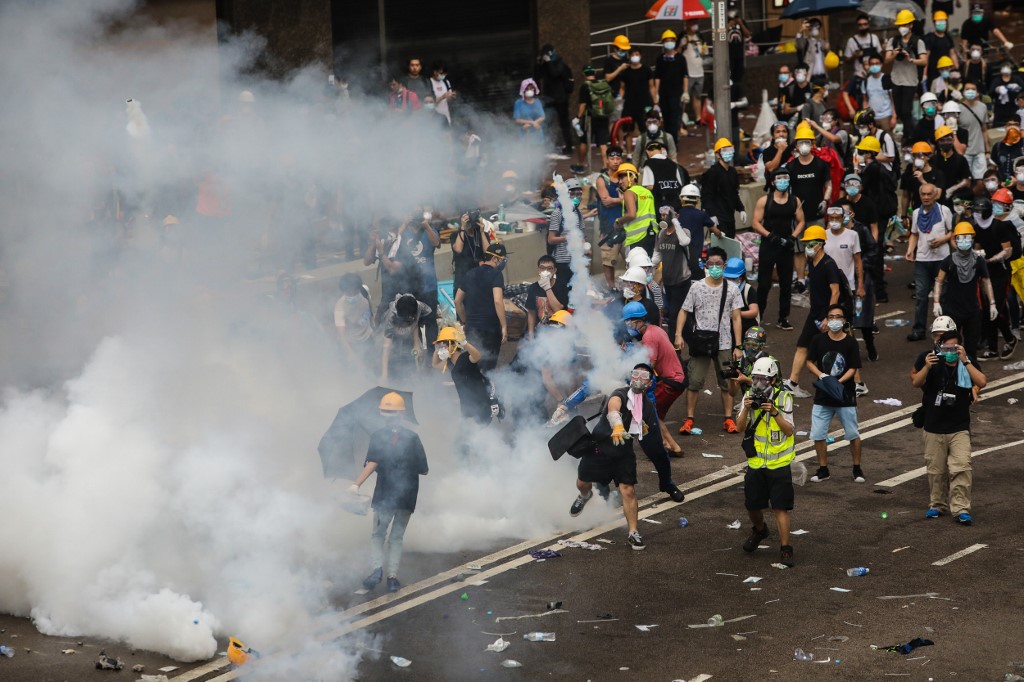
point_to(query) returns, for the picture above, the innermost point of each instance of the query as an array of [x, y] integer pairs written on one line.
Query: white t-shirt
[[879, 98], [843, 247], [855, 43], [440, 87], [694, 59], [924, 253], [707, 301]]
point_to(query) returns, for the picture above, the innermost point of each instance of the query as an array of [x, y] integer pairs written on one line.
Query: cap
[[851, 177], [497, 249]]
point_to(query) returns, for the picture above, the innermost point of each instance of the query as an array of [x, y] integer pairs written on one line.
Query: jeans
[[821, 418], [780, 258], [925, 273], [398, 519]]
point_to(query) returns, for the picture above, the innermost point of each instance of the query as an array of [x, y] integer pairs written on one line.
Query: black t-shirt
[[924, 131], [537, 301], [909, 182], [991, 239], [938, 47], [807, 182], [670, 72], [834, 358], [610, 64], [944, 418], [954, 170], [960, 299], [866, 212], [638, 88], [479, 284], [977, 32], [748, 295], [473, 389], [401, 461], [822, 277], [797, 95]]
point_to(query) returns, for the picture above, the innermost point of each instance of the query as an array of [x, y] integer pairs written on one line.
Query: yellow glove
[[619, 435]]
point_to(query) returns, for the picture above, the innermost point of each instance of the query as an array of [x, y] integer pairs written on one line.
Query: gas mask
[[804, 148], [639, 380]]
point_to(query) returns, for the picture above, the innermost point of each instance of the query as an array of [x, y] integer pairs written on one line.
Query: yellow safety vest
[[645, 219], [775, 448]]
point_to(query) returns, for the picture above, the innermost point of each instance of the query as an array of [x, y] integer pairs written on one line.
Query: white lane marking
[[894, 313], [959, 555], [704, 677], [915, 473]]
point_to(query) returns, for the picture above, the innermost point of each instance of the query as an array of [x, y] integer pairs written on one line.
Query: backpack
[[602, 101]]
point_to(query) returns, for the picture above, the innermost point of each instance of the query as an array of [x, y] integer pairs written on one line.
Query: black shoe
[[579, 504], [786, 558], [635, 541], [675, 493], [751, 543], [873, 354], [915, 336], [881, 299], [578, 169], [822, 475], [1008, 349], [858, 475], [785, 325], [799, 287], [393, 584], [374, 579]]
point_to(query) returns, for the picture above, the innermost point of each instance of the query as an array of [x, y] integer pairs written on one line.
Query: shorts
[[699, 366], [978, 164], [808, 332], [611, 255], [609, 463], [664, 396], [601, 131], [696, 88], [764, 487], [821, 417]]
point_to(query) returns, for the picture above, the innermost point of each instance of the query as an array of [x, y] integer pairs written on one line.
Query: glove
[[544, 280], [353, 488], [460, 334], [822, 206], [686, 98], [743, 217], [1008, 45], [619, 435], [559, 416], [993, 313], [936, 309], [1001, 90]]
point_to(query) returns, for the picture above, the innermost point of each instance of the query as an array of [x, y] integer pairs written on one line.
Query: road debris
[[539, 637], [71, 652], [498, 645], [900, 549], [545, 554], [6, 651], [909, 646], [105, 662], [153, 678], [799, 532], [509, 663], [584, 545], [892, 402], [801, 655], [709, 455], [401, 662], [753, 579], [529, 615], [735, 525], [926, 595], [779, 566], [839, 638], [840, 589], [138, 668]]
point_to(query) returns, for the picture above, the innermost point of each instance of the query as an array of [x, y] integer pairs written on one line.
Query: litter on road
[[539, 637], [710, 456], [545, 554], [893, 402], [735, 525], [645, 628], [401, 662], [651, 521], [105, 662], [509, 663], [909, 646], [529, 615], [799, 532], [753, 579], [572, 544], [840, 589], [779, 566], [498, 645]]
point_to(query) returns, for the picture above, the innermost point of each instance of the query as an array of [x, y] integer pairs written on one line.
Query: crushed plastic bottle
[[858, 306], [539, 636], [897, 323], [401, 662], [6, 651], [1014, 366], [509, 663], [801, 655], [716, 621], [857, 572]]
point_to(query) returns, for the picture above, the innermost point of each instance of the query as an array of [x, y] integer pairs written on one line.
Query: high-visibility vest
[[775, 448], [645, 219]]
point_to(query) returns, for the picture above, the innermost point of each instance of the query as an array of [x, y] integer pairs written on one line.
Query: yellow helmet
[[940, 16], [238, 654], [669, 33], [392, 402], [905, 17], [621, 42], [831, 60], [626, 168], [944, 62], [722, 143], [870, 144], [804, 132], [562, 317], [942, 131], [447, 334], [963, 228], [814, 233]]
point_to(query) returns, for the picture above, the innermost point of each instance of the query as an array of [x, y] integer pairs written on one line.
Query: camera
[[760, 397], [729, 371], [901, 55], [946, 399], [474, 217]]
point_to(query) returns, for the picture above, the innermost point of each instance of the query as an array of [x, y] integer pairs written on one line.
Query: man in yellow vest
[[639, 219], [767, 413]]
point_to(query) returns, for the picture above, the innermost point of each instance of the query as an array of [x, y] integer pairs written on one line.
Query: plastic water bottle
[[858, 306], [857, 572], [897, 323], [6, 651], [501, 213], [716, 621], [539, 636], [683, 522], [801, 655]]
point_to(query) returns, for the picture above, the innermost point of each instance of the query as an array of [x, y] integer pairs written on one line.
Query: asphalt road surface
[[956, 586]]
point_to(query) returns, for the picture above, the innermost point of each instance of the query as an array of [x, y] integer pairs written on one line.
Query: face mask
[[863, 131], [727, 156], [929, 111], [950, 357], [650, 278], [904, 31], [852, 191], [918, 163], [978, 217], [952, 122], [835, 226], [958, 209], [1005, 71], [970, 94], [827, 123], [716, 271], [620, 53], [429, 106], [759, 385], [694, 27], [810, 251], [1020, 176], [576, 201], [940, 26], [627, 291], [782, 185], [846, 219], [875, 68], [944, 74], [801, 76], [670, 45], [783, 77], [975, 54], [427, 215], [635, 333], [976, 18], [964, 243], [991, 185], [835, 325], [637, 385], [441, 76], [998, 210], [501, 264], [815, 32], [635, 59], [530, 93], [443, 353], [945, 145], [804, 148], [352, 300], [652, 128]]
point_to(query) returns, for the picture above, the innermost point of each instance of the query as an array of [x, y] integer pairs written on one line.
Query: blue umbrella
[[813, 8]]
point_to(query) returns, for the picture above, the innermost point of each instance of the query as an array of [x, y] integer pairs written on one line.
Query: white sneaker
[[795, 389], [862, 389]]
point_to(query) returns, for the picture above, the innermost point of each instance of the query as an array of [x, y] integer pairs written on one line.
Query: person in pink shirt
[[666, 364]]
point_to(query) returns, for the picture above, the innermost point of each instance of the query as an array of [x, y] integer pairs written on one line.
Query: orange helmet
[[921, 148], [1002, 196]]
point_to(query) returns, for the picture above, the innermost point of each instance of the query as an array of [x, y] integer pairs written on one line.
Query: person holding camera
[[948, 378], [904, 54], [766, 419], [468, 245]]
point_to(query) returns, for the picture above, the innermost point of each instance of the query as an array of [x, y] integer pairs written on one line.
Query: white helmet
[[573, 183], [691, 192], [634, 274], [638, 258], [951, 107], [929, 97], [943, 323], [765, 367], [246, 97]]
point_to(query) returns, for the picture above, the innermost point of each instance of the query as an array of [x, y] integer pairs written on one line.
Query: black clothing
[[765, 486], [637, 96], [472, 254], [720, 196], [977, 33], [961, 300], [822, 277], [938, 47], [779, 219], [669, 72], [473, 389], [924, 131], [611, 63], [835, 358], [954, 169], [943, 418], [667, 175], [696, 221], [479, 285], [910, 183], [401, 461], [807, 183]]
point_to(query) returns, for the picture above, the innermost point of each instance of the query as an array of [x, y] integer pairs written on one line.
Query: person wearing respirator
[[541, 301], [453, 351], [962, 283], [977, 28], [994, 234], [653, 132], [843, 246]]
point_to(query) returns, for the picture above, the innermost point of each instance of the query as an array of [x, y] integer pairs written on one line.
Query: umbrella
[[814, 8], [888, 9], [831, 387], [680, 10], [573, 438], [349, 433]]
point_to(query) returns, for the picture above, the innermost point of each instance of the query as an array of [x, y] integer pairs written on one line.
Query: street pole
[[719, 29]]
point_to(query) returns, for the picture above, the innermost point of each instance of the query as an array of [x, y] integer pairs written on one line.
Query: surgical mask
[[998, 210], [620, 53], [970, 94], [804, 148], [801, 76], [976, 18], [815, 32], [635, 333], [652, 128], [827, 123], [958, 209], [918, 163], [627, 291], [427, 215], [904, 31], [530, 93], [852, 191], [950, 357], [810, 251], [929, 111], [940, 26], [964, 243], [716, 271], [637, 385], [670, 45], [727, 156], [443, 353], [782, 185], [635, 59], [501, 264], [835, 325], [783, 77], [1019, 176], [576, 201], [863, 131], [952, 121], [875, 68], [975, 54], [846, 219], [944, 73], [991, 185], [835, 226], [1006, 71], [429, 106]]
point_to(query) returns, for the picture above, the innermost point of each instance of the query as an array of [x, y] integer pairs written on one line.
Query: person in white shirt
[[931, 230], [443, 92], [862, 44]]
